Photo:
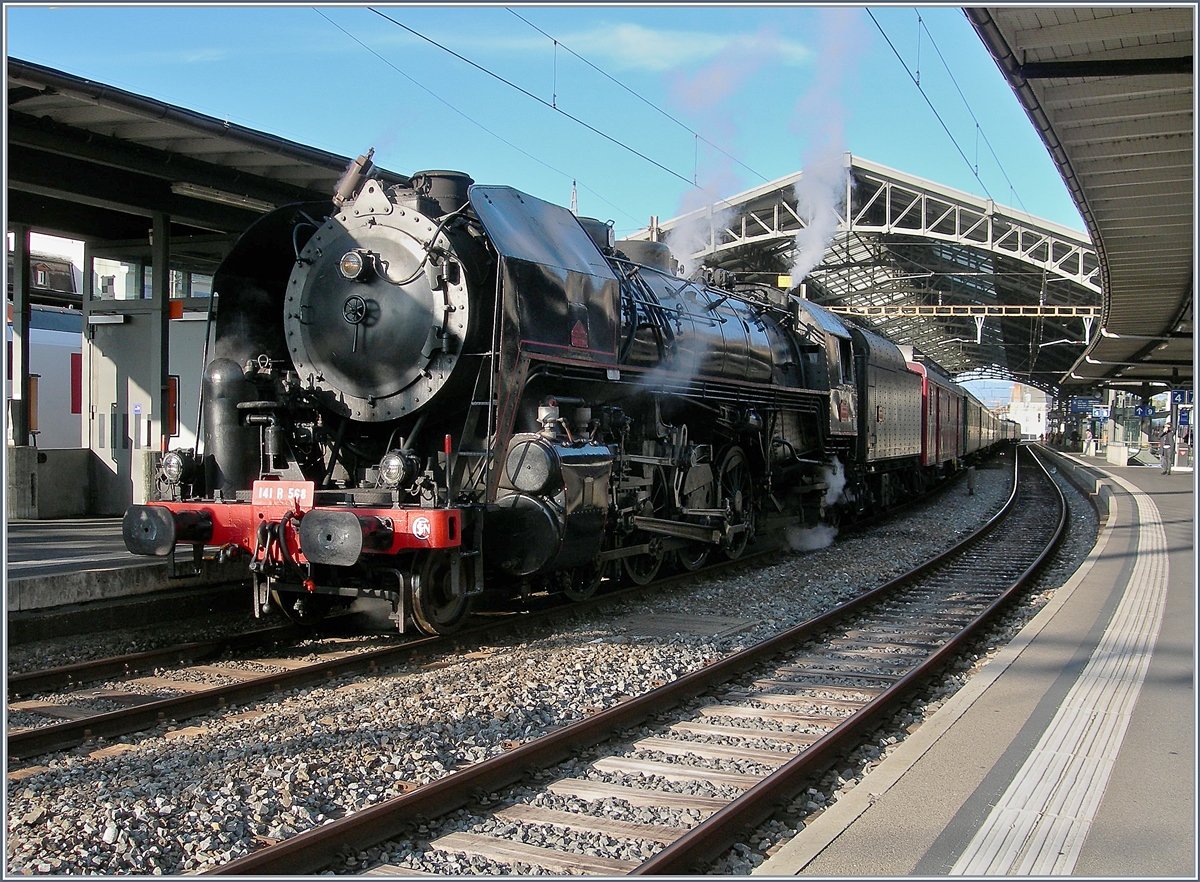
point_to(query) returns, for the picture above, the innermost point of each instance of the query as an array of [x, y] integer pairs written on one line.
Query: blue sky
[[770, 86]]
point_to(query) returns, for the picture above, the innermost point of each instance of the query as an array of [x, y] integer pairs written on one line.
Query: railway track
[[147, 693], [81, 673], [167, 685], [744, 734]]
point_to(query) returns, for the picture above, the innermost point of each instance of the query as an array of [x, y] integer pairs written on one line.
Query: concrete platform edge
[[803, 848], [82, 586]]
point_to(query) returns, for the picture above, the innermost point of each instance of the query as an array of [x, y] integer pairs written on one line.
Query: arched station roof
[[1111, 91], [981, 289]]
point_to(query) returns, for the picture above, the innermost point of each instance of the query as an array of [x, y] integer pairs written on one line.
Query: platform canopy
[[92, 162], [980, 289], [1110, 90]]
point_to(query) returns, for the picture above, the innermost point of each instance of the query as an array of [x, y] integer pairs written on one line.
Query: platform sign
[[1099, 413], [1181, 396], [1185, 417], [1146, 410], [1084, 405]]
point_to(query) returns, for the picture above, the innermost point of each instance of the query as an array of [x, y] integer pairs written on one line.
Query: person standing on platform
[[1167, 448], [1088, 443]]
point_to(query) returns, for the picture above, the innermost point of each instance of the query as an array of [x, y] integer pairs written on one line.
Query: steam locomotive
[[417, 390]]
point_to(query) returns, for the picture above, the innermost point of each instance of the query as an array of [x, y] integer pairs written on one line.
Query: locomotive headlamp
[[393, 468], [174, 467], [352, 264]]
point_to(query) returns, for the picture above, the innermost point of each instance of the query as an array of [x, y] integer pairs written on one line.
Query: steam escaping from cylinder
[[811, 538], [376, 610], [835, 476]]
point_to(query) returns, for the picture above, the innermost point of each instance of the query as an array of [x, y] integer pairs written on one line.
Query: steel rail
[[33, 742], [32, 682], [316, 848], [70, 733]]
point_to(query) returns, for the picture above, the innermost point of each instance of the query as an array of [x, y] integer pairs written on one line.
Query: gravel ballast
[[187, 797]]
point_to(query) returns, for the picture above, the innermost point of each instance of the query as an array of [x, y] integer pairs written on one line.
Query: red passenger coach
[[941, 417]]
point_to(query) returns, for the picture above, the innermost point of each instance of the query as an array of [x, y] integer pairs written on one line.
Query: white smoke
[[696, 232], [835, 477], [821, 191], [376, 610], [713, 96], [811, 538], [820, 201], [683, 365]]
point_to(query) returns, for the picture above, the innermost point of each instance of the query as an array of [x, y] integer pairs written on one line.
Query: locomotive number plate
[[284, 494]]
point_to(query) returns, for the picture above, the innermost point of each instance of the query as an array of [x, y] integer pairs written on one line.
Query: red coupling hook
[[309, 585]]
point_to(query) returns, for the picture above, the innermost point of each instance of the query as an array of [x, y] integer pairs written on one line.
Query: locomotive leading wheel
[[435, 607], [736, 488], [581, 582]]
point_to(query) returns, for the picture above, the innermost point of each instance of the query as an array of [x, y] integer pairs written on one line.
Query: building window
[[40, 275], [115, 279]]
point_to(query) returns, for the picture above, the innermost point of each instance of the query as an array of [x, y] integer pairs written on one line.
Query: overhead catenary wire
[[979, 132], [715, 199], [471, 120], [558, 43], [539, 100], [917, 83]]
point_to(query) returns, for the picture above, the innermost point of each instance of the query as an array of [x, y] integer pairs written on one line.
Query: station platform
[[55, 567], [1073, 751]]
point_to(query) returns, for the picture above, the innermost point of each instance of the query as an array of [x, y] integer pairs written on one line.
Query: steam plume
[[835, 477], [712, 94], [821, 191], [820, 200], [693, 233], [811, 538]]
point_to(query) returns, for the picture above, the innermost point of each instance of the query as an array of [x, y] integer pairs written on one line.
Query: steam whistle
[[352, 178]]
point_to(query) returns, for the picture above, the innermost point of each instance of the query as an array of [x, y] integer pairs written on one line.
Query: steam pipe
[[212, 295]]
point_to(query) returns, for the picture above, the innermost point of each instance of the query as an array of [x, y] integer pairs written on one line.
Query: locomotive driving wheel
[[699, 492], [436, 608], [693, 556], [735, 487], [642, 568]]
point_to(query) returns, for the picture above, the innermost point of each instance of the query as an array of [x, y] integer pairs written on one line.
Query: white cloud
[[633, 47]]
